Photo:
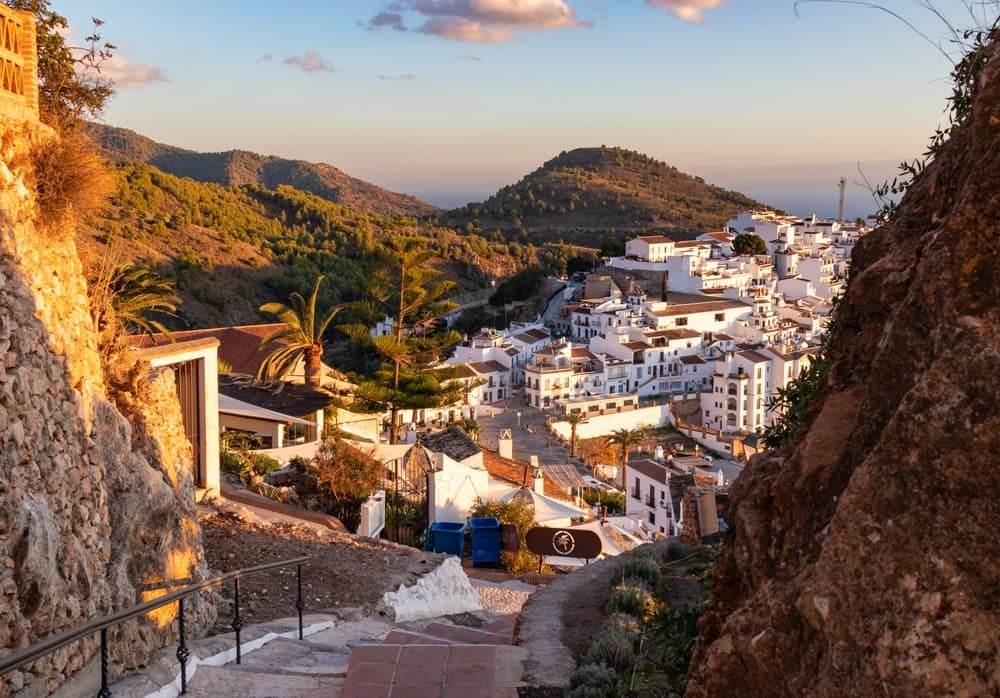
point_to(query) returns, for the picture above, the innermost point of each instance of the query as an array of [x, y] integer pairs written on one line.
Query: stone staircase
[[356, 659]]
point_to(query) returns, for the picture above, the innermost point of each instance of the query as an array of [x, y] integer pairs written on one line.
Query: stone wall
[[95, 504]]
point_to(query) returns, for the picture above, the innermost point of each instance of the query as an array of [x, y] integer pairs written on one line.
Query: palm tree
[[574, 420], [123, 299], [624, 439], [301, 338]]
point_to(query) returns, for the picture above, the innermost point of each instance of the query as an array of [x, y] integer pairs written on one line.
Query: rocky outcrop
[[865, 562], [96, 504]]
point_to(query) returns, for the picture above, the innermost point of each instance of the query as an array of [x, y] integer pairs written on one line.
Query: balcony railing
[[100, 625], [635, 493]]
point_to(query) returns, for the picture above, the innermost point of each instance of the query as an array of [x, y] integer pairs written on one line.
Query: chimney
[[505, 444], [538, 484]]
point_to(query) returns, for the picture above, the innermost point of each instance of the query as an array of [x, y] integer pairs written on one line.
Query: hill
[[237, 229], [240, 167], [231, 249], [581, 195]]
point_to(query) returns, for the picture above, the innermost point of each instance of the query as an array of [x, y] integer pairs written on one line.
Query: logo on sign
[[563, 542]]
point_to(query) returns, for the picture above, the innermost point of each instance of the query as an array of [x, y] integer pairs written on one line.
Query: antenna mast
[[843, 187]]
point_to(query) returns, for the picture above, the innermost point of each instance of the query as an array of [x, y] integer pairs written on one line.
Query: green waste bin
[[485, 540], [448, 537]]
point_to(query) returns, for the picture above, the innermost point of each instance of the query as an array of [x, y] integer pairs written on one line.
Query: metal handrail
[[51, 644]]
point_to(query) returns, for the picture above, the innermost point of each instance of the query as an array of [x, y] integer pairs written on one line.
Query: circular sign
[[563, 542]]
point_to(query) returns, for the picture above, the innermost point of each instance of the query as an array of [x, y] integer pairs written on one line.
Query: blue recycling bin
[[448, 537], [485, 540]]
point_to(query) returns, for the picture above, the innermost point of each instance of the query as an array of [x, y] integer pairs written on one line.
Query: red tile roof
[[239, 347]]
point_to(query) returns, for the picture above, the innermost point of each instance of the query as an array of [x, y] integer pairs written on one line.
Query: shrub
[[674, 632], [676, 550], [263, 464], [622, 622], [70, 176], [593, 681], [633, 600], [614, 647], [299, 464], [232, 463], [643, 568]]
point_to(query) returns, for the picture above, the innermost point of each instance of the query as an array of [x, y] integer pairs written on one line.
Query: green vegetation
[[520, 286], [406, 292], [574, 421], [623, 440], [518, 514], [644, 645], [794, 404], [343, 479], [126, 300], [237, 456], [749, 244], [303, 338], [70, 84], [615, 502], [590, 190]]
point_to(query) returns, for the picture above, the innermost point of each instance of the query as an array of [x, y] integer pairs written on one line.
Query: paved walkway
[[513, 414]]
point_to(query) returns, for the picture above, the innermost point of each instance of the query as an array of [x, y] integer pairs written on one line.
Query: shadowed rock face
[[866, 561], [97, 494]]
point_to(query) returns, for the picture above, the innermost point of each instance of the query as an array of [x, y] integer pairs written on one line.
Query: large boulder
[[866, 561]]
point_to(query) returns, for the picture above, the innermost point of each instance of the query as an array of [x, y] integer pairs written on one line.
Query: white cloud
[[129, 75], [687, 10], [479, 21], [310, 62]]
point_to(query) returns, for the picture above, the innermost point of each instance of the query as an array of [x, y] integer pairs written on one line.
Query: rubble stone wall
[[95, 504]]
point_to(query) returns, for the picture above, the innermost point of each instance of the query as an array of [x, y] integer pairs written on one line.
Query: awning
[[238, 408]]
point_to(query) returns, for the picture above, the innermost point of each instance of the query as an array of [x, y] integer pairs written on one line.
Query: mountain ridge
[[239, 167]]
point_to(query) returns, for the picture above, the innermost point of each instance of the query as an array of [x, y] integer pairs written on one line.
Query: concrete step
[[443, 633], [233, 681]]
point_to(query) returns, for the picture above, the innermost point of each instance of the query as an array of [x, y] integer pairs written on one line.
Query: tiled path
[[439, 662]]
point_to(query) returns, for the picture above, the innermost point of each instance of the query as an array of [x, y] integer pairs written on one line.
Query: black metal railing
[[101, 625]]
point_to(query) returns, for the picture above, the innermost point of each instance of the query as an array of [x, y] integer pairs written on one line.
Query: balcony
[[635, 494], [650, 501]]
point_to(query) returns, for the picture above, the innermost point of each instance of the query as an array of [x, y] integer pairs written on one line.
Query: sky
[[450, 100]]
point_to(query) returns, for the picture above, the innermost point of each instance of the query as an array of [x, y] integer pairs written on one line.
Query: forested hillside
[[232, 249], [581, 195], [237, 229], [239, 167]]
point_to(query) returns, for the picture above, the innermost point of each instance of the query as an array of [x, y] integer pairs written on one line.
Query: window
[[720, 317], [681, 321]]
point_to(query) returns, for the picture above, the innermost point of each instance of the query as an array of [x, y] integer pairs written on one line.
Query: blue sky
[[449, 100]]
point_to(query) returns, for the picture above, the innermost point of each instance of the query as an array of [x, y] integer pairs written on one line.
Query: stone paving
[[504, 415]]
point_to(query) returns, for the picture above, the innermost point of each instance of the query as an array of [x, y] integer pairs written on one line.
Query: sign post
[[563, 542]]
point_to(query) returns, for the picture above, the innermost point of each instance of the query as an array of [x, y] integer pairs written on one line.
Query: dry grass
[[70, 176]]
